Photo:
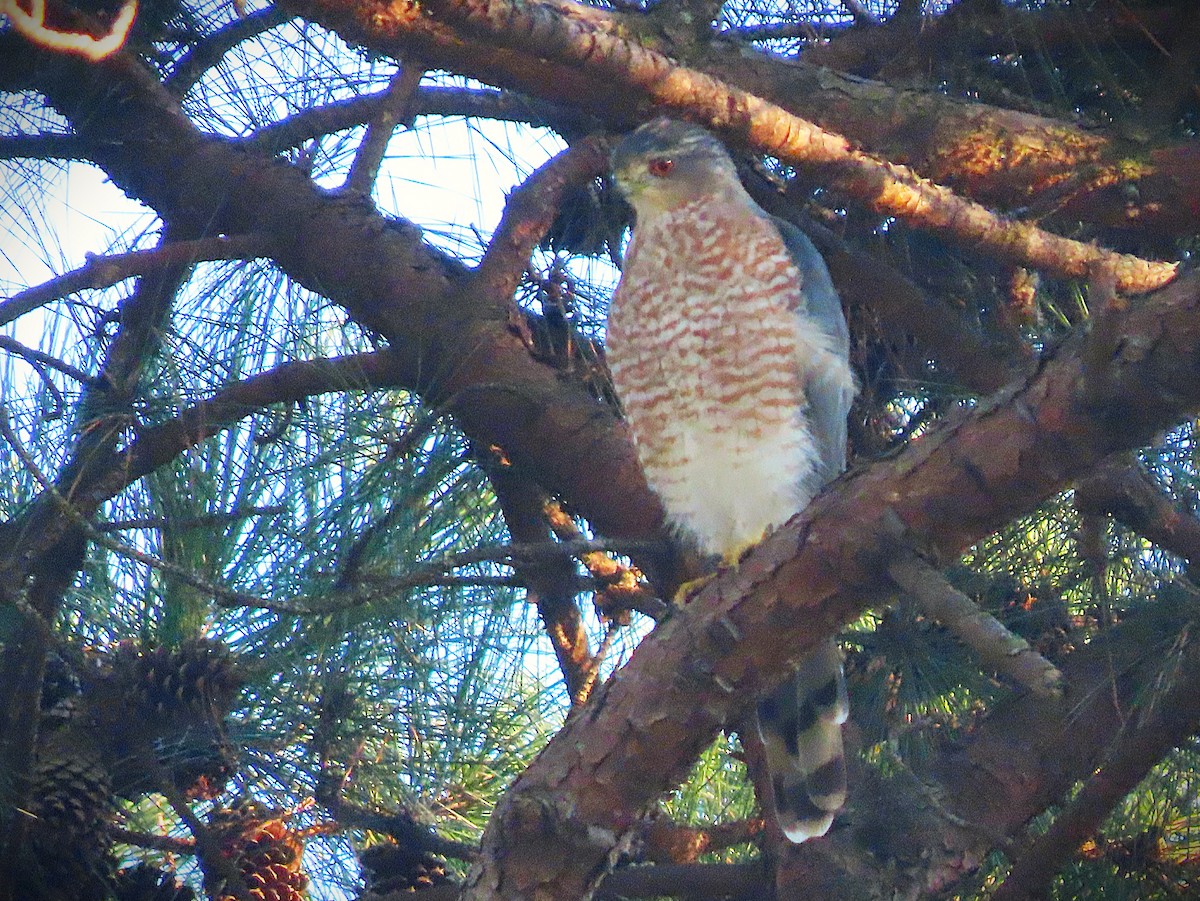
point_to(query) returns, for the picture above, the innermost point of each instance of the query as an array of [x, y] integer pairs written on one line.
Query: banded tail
[[801, 729]]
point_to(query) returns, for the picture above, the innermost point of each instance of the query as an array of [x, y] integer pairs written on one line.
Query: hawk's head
[[666, 163]]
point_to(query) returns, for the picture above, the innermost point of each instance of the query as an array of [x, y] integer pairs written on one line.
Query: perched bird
[[730, 354]]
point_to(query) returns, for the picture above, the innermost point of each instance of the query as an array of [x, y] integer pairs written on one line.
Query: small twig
[[434, 574], [622, 587], [581, 695], [168, 843], [773, 31], [23, 454], [1122, 489], [542, 550], [996, 646], [105, 271], [191, 522], [39, 361], [394, 110]]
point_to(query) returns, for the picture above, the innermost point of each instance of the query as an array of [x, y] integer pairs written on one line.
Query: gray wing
[[830, 391]]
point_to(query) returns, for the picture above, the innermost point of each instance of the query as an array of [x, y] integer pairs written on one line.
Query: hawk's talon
[[692, 586]]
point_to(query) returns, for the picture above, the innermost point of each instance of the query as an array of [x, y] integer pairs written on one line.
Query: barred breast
[[707, 354]]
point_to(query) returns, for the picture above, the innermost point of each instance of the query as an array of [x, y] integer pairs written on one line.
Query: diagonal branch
[[531, 209], [1124, 490], [744, 629], [886, 188], [395, 109], [105, 271], [997, 647]]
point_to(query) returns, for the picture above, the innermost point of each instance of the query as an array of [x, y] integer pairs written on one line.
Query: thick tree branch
[[885, 188], [572, 810], [996, 155]]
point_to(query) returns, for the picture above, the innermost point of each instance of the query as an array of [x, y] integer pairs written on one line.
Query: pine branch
[[41, 361], [530, 210], [997, 647], [209, 52], [550, 582], [104, 271], [883, 187], [395, 109], [745, 627], [1121, 488], [47, 146], [429, 100]]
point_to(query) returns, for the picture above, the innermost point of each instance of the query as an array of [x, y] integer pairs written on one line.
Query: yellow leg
[[692, 586]]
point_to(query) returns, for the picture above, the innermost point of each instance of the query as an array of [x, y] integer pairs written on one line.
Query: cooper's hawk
[[730, 354]]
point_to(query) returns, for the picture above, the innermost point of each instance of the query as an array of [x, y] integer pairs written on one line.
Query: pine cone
[[72, 801], [199, 679], [60, 691], [391, 867], [66, 857], [147, 883], [268, 855]]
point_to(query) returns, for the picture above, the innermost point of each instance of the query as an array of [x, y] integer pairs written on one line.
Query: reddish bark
[[997, 156], [567, 816]]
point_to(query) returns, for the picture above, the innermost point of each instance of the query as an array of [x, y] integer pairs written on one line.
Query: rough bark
[[998, 156], [567, 816]]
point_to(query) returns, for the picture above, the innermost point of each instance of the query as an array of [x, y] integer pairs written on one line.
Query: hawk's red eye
[[661, 166]]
